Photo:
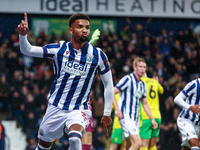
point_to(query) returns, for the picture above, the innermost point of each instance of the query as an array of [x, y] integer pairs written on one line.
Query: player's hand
[[118, 114], [154, 123], [23, 26], [95, 36], [156, 78], [195, 109], [106, 122]]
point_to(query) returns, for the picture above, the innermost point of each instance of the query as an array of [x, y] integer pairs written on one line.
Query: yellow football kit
[[153, 90]]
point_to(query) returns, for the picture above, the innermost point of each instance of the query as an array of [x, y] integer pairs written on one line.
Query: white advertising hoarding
[[118, 8]]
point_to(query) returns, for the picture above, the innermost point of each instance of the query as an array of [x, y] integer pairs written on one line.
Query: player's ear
[[70, 30]]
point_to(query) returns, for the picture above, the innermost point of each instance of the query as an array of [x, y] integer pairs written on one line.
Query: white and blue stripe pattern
[[75, 71], [131, 91], [192, 92]]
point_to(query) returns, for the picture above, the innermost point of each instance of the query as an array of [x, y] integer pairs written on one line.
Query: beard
[[83, 39]]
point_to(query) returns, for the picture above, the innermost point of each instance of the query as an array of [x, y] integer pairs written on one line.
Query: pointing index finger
[[25, 18]]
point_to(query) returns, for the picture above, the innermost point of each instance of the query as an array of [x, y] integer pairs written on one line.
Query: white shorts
[[129, 126], [188, 130], [55, 120]]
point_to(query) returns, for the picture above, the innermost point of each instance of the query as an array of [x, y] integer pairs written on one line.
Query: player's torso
[[75, 71], [193, 99], [131, 96], [152, 99]]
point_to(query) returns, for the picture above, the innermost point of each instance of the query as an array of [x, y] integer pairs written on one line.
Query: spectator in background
[[17, 101], [99, 139], [176, 50], [1, 39], [98, 106], [3, 69], [16, 81], [165, 46], [30, 123], [32, 144], [4, 93]]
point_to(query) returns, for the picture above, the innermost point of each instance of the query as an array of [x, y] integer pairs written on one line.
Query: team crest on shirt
[[41, 132], [193, 132], [134, 129], [89, 57], [138, 94]]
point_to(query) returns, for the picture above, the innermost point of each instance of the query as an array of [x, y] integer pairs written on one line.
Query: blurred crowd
[[25, 81]]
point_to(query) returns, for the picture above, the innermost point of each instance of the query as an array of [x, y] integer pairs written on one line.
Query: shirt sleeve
[[123, 83], [160, 88], [51, 49], [104, 65], [27, 49], [35, 51], [108, 92], [189, 88]]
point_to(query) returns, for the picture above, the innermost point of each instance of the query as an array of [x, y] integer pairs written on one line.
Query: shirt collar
[[135, 77], [83, 49]]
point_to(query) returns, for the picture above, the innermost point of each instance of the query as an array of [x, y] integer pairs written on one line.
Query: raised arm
[[25, 47]]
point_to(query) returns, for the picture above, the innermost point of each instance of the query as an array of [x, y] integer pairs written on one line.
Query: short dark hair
[[77, 16]]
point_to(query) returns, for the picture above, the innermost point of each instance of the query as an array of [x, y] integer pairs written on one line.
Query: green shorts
[[117, 136], [146, 130]]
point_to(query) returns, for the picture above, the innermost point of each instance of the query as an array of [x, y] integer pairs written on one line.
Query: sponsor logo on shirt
[[67, 52], [72, 67]]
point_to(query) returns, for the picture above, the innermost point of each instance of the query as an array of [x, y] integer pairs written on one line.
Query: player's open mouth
[[85, 34]]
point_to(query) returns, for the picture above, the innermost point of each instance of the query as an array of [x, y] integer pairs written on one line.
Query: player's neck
[[137, 76], [77, 44]]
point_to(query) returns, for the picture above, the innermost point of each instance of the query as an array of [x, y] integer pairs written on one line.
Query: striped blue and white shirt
[[192, 93], [75, 71], [131, 91]]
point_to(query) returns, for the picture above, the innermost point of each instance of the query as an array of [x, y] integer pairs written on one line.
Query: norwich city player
[[147, 133]]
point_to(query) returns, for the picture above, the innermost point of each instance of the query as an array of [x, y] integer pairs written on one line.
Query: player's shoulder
[[98, 48], [192, 84], [125, 78], [145, 79], [55, 45], [100, 51], [149, 81]]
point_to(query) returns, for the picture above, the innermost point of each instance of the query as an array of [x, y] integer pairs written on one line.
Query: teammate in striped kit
[[132, 90], [189, 118], [76, 64]]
